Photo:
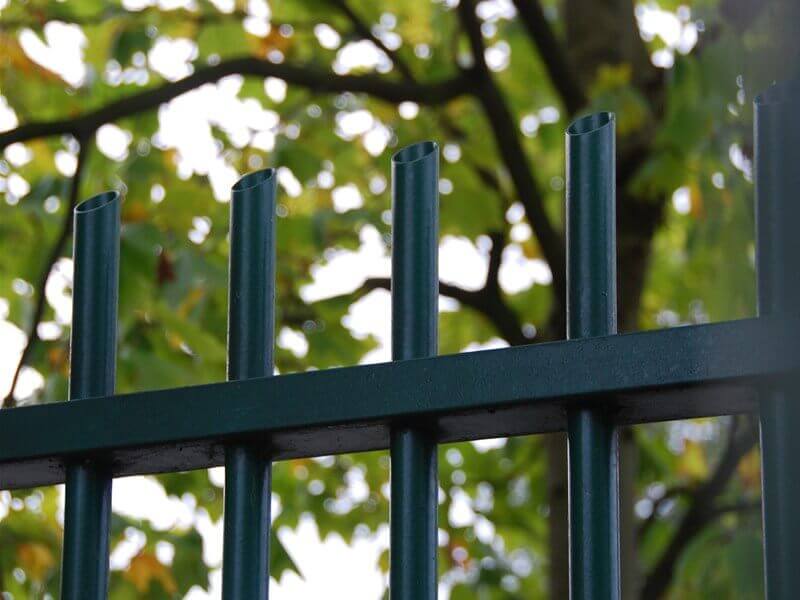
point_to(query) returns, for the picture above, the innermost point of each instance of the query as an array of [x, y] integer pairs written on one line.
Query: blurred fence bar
[[251, 333], [777, 169], [87, 510], [415, 295], [592, 312]]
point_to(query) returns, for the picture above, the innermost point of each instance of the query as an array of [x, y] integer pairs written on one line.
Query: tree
[[326, 89]]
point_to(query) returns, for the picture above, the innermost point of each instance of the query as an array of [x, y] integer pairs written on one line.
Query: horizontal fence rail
[[588, 385], [693, 371]]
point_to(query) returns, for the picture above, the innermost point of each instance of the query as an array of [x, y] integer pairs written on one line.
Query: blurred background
[[170, 101]]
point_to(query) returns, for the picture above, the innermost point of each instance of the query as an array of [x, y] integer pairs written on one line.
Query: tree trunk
[[556, 444]]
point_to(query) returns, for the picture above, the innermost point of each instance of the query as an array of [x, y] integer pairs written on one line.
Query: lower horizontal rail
[[699, 370]]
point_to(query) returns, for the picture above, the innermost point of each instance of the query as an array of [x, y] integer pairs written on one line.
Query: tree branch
[[307, 76], [701, 512], [553, 55], [511, 151], [55, 253], [465, 297], [495, 259], [744, 506], [670, 494], [485, 302], [489, 300], [37, 21], [365, 32]]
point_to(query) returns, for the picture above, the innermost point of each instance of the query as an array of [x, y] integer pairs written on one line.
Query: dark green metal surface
[[87, 510], [415, 292], [251, 332], [592, 312], [683, 372], [588, 385], [777, 163]]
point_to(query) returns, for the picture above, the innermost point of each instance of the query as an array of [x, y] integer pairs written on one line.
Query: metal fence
[[588, 385]]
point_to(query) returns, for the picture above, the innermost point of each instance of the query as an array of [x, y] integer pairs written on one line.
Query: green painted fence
[[588, 385]]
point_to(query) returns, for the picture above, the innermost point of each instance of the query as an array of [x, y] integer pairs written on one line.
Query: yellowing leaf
[[531, 249], [274, 40], [692, 462], [750, 470], [13, 56], [58, 357], [174, 340], [36, 559], [696, 195], [135, 213], [144, 569], [612, 76], [190, 301]]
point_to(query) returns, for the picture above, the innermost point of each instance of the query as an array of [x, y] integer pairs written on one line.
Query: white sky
[[332, 569]]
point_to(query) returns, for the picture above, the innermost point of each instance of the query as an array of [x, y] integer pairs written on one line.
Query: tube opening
[[415, 152], [97, 202], [254, 179], [590, 123], [779, 92]]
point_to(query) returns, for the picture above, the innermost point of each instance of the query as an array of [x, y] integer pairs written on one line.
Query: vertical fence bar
[[592, 311], [415, 293], [251, 331], [84, 574], [777, 158]]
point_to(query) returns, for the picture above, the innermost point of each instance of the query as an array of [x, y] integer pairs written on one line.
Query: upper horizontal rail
[[491, 393]]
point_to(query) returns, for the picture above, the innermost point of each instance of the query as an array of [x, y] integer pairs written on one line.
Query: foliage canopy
[[170, 101]]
